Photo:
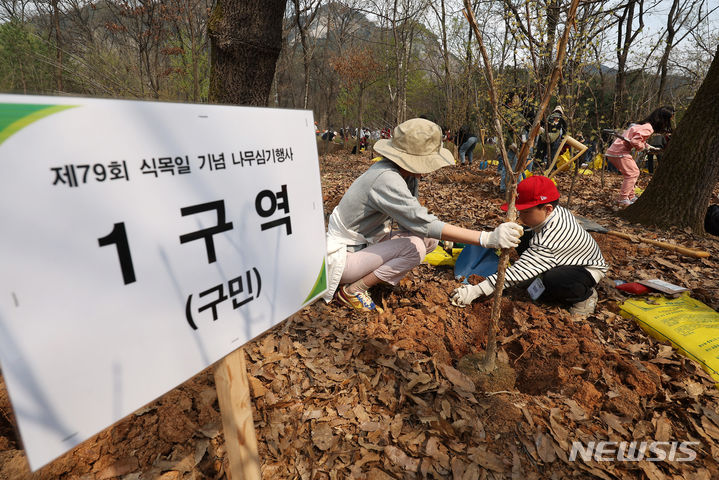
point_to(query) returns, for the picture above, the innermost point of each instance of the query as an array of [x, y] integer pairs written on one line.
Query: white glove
[[506, 235], [652, 148], [464, 295]]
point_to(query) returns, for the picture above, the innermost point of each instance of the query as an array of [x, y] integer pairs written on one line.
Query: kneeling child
[[555, 249]]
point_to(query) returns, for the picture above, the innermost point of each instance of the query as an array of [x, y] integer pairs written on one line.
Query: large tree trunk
[[679, 192], [245, 42]]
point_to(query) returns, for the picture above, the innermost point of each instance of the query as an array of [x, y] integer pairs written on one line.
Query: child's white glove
[[506, 235], [466, 294]]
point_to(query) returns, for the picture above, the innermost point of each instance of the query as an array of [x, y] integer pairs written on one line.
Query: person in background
[[555, 251], [619, 152], [362, 247], [466, 141], [659, 142], [329, 135], [364, 141], [586, 157], [549, 142]]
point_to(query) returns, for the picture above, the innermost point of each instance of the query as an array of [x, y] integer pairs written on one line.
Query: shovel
[[592, 226]]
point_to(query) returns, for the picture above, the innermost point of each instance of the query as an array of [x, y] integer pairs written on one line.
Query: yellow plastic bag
[[691, 326], [439, 257], [563, 159], [598, 162]]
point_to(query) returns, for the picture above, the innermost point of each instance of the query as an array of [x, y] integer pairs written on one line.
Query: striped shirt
[[560, 241]]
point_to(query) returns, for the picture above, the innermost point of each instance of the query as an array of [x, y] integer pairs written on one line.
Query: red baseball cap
[[534, 190]]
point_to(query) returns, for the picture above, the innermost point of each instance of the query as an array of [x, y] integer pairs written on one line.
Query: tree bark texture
[[245, 42], [680, 191]]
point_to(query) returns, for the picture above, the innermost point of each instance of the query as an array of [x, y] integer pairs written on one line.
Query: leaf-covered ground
[[342, 394]]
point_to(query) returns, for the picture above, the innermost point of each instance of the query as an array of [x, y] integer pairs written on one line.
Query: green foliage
[[181, 72], [346, 100], [24, 60], [422, 95]]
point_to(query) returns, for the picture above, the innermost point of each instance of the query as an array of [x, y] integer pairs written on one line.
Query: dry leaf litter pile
[[342, 394]]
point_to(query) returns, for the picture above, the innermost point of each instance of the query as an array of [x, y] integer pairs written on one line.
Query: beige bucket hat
[[416, 146]]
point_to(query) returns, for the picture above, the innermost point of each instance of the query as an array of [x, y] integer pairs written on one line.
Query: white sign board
[[141, 242]]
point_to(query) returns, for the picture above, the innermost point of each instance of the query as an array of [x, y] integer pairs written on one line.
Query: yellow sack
[[598, 162], [690, 326], [563, 159], [439, 257], [585, 171]]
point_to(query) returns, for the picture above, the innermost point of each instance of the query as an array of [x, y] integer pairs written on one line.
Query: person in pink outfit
[[635, 137]]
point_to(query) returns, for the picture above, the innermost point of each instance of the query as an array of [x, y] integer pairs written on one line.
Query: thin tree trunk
[[360, 106], [490, 356], [58, 45], [447, 76], [195, 72], [306, 54], [668, 45], [552, 22], [626, 34]]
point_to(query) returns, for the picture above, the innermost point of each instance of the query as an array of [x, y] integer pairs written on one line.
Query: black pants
[[651, 158], [565, 283]]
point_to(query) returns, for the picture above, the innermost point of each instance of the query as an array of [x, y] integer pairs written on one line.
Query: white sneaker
[[585, 307], [624, 202]]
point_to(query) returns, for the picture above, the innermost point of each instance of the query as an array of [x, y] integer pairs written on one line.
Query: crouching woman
[[362, 247]]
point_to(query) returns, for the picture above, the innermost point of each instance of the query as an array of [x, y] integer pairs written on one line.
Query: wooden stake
[[580, 147], [233, 394]]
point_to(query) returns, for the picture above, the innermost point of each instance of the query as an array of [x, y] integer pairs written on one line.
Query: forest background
[[375, 63]]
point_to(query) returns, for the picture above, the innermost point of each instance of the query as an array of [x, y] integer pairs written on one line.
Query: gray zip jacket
[[380, 195], [365, 213]]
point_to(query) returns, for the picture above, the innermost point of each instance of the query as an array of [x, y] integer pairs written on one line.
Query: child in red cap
[[555, 251]]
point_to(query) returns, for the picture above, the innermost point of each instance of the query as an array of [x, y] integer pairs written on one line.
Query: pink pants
[[389, 259], [630, 171]]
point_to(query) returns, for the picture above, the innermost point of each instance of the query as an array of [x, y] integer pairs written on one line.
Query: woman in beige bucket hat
[[362, 248]]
